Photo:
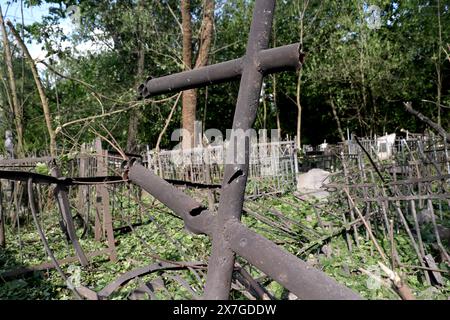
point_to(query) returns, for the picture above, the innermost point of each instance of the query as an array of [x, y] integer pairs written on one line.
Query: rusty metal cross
[[229, 235]]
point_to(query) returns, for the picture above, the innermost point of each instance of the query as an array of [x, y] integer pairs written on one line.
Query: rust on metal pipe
[[208, 75], [2, 220], [304, 281], [285, 58]]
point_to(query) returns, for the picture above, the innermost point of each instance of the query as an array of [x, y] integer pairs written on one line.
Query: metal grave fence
[[273, 165]]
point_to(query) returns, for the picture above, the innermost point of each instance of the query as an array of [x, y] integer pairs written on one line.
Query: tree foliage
[[366, 73]]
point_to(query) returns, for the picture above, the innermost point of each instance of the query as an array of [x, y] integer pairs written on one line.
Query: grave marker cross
[[229, 236]]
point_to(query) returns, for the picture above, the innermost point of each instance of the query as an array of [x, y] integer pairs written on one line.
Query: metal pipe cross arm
[[196, 217], [268, 61]]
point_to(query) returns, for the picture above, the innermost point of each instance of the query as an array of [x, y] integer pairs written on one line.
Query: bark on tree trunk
[[16, 107], [299, 114], [40, 88], [189, 99], [338, 121], [133, 125], [275, 102], [206, 35]]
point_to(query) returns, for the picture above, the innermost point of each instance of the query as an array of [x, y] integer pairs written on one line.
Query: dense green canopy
[[364, 70]]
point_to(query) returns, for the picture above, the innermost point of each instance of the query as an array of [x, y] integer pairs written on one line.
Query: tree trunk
[[17, 109], [166, 125], [206, 35], [7, 96], [40, 88], [188, 118], [438, 64], [275, 102], [336, 117], [133, 123], [299, 114], [189, 99]]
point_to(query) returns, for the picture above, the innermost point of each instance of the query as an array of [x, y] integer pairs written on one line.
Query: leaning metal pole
[[62, 198], [221, 262]]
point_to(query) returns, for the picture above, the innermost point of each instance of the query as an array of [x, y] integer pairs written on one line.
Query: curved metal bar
[[128, 276]]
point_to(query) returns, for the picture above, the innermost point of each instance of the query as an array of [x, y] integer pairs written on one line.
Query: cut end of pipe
[[145, 93], [143, 89]]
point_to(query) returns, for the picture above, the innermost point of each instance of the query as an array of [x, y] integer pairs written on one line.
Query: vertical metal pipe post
[[221, 262], [62, 198]]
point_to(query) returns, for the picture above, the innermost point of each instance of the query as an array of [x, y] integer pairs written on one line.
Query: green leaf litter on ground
[[166, 236]]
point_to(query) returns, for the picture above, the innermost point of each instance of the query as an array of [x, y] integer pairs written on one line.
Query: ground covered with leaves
[[304, 230]]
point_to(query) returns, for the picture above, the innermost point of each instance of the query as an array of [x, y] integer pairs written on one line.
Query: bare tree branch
[[428, 121]]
